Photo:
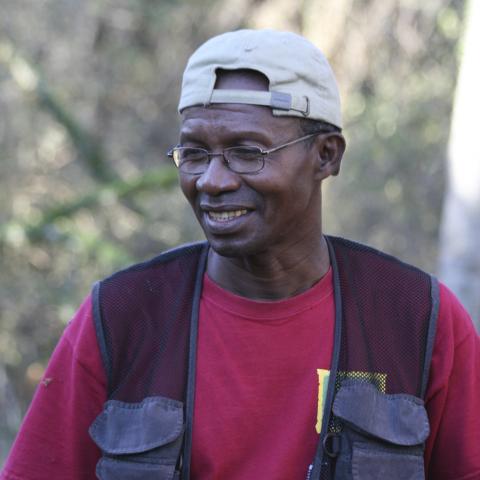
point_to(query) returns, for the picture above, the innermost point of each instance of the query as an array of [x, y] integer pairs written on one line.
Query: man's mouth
[[226, 216]]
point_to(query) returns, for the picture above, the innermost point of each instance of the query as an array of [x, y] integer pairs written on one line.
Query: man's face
[[248, 214]]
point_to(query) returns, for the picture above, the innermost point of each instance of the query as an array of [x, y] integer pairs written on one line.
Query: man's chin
[[232, 248], [227, 250]]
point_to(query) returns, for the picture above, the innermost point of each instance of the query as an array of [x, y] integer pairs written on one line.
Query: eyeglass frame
[[262, 153]]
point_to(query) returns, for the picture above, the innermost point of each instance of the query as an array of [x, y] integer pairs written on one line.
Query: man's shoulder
[[455, 321], [362, 251]]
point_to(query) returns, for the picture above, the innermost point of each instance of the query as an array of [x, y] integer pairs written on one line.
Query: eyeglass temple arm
[[292, 142]]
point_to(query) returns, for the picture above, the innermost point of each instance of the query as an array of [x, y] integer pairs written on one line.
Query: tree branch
[[116, 190]]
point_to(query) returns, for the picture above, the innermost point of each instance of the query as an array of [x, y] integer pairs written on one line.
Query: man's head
[[261, 90]]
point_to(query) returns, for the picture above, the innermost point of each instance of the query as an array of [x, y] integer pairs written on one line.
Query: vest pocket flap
[[126, 428], [400, 419]]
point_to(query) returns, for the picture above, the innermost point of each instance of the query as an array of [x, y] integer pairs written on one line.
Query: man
[[272, 351]]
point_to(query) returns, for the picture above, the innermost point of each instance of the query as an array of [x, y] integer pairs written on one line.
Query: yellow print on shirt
[[323, 376], [378, 379]]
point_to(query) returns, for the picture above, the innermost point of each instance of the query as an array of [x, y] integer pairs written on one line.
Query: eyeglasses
[[247, 159]]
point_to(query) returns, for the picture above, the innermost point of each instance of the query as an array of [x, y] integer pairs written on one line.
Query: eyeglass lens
[[238, 159]]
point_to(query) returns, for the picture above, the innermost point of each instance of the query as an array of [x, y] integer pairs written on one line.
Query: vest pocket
[[139, 440], [382, 435]]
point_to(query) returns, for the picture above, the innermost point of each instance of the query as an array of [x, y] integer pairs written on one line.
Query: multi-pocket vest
[[374, 423]]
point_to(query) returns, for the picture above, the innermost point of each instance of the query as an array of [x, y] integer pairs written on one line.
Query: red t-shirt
[[257, 384], [258, 374]]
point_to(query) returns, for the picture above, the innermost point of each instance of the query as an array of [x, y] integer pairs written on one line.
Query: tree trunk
[[459, 265]]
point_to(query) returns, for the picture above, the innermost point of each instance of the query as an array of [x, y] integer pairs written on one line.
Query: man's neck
[[272, 275]]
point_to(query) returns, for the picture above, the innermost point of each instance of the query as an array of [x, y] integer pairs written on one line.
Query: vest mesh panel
[[386, 313], [145, 313]]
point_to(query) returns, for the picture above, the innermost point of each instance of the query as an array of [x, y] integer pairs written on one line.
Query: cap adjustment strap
[[275, 100]]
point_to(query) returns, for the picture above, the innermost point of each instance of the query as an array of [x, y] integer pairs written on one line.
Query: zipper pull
[[309, 473]]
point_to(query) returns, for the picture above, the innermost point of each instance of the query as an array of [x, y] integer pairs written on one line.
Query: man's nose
[[217, 178]]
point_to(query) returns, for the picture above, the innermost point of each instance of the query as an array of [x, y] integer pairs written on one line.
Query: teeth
[[224, 216]]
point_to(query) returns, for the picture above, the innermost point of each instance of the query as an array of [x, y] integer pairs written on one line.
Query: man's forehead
[[231, 116], [235, 122]]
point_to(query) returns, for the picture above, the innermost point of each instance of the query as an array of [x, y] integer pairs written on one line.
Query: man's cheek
[[187, 186]]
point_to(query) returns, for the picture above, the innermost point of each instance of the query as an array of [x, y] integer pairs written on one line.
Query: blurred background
[[88, 94]]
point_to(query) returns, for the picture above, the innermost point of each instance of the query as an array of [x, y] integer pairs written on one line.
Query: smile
[[226, 216]]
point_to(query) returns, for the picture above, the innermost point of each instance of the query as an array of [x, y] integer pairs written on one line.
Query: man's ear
[[329, 148]]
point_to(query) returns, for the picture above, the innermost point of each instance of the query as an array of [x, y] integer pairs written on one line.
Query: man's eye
[[193, 155], [245, 153]]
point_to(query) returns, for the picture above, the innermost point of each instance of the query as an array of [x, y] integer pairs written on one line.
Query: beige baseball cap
[[302, 83]]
